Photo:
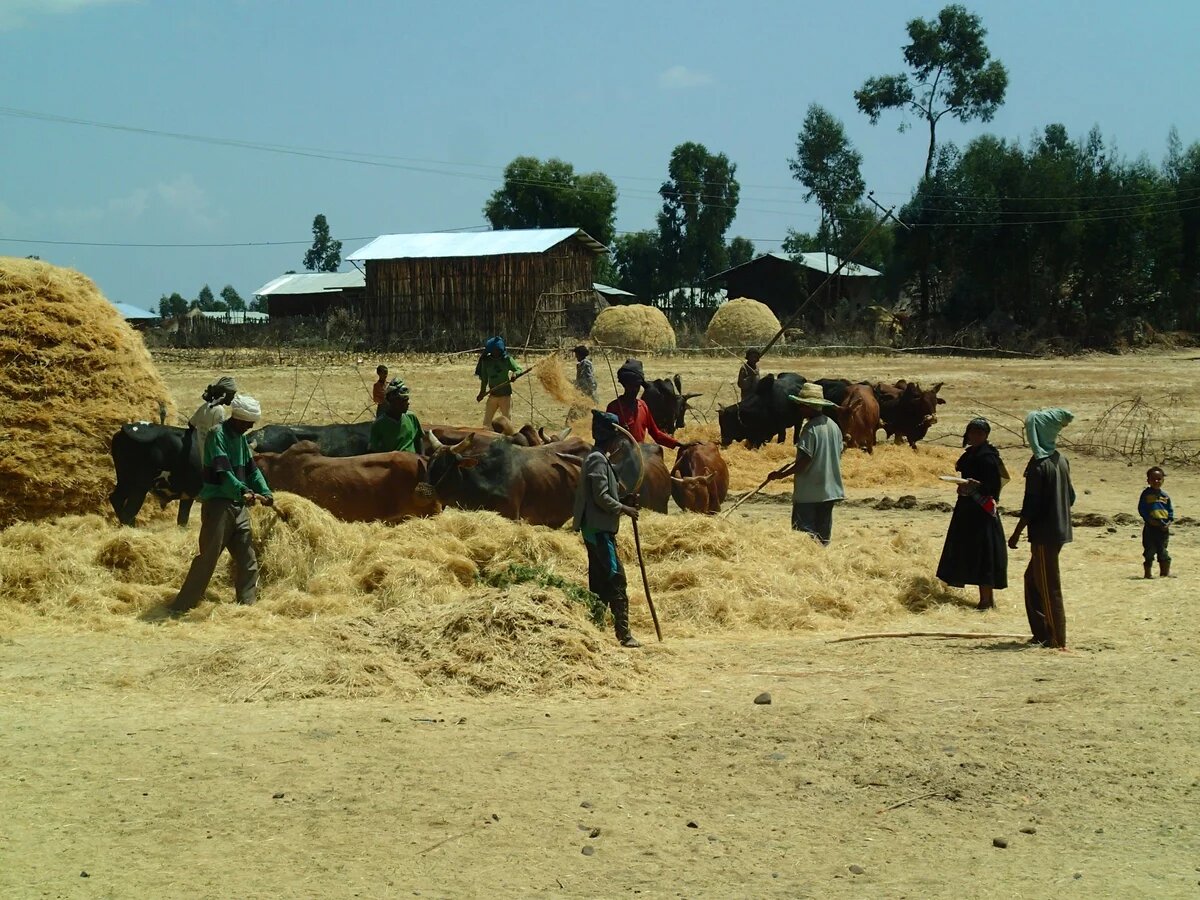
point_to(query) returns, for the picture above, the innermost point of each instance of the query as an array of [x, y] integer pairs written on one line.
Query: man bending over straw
[[232, 482]]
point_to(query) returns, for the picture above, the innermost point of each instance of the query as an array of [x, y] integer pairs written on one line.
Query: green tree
[[207, 302], [740, 250], [829, 167], [700, 201], [951, 72], [172, 306], [638, 259], [233, 300], [325, 254], [550, 194]]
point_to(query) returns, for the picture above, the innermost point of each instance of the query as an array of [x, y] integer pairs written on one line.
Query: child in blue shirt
[[1154, 506]]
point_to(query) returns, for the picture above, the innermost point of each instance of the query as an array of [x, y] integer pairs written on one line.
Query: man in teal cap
[[1046, 512], [598, 511]]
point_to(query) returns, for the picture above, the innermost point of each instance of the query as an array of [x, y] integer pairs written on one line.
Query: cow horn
[[464, 444], [687, 397], [433, 441]]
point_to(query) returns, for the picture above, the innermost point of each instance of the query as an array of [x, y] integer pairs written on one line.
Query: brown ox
[[376, 487], [907, 411], [858, 415], [529, 484], [700, 478]]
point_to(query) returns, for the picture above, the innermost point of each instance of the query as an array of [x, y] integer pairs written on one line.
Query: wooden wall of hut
[[459, 300]]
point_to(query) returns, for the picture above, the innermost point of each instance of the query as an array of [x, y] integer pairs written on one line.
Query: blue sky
[[463, 87]]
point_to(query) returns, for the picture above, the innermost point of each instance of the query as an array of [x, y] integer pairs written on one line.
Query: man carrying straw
[[598, 512], [232, 483], [1046, 512]]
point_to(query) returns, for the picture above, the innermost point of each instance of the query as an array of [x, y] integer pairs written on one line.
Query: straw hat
[[810, 395]]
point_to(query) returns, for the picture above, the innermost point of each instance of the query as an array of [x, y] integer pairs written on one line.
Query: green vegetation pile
[[72, 372]]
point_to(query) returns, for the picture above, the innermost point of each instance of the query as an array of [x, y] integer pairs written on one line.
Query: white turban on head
[[245, 407]]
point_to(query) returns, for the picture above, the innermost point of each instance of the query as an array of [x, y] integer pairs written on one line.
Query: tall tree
[[740, 250], [325, 254], [233, 300], [551, 194], [829, 167], [207, 302], [700, 201], [173, 306], [638, 258], [950, 72]]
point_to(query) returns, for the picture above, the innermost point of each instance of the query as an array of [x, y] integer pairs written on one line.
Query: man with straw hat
[[818, 466], [598, 511], [232, 482], [395, 428], [1046, 512]]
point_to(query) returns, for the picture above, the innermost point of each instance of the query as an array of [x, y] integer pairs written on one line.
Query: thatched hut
[[445, 289]]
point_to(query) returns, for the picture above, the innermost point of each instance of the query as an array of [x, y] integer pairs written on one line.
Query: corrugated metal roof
[[827, 262], [610, 290], [481, 243], [311, 283], [129, 311]]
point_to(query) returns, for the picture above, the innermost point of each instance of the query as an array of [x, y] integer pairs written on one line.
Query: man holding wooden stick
[[598, 511], [495, 371]]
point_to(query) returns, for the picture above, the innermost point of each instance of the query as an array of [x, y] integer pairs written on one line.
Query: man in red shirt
[[632, 412]]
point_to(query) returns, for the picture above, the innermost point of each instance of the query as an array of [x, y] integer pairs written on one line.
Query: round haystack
[[634, 327], [71, 373], [742, 323]]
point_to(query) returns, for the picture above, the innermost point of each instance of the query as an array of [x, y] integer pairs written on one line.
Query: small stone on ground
[[763, 699]]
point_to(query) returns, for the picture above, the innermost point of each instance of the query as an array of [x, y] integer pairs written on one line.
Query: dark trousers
[[1154, 544], [814, 518], [606, 579], [1043, 596], [223, 524]]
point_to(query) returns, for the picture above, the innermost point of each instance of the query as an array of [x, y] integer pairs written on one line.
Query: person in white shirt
[[818, 466]]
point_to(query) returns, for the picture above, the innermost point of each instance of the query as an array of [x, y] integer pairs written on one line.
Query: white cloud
[[180, 198], [678, 78], [15, 13]]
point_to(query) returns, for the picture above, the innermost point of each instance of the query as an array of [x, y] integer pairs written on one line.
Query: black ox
[[161, 460], [667, 402], [333, 440], [765, 414]]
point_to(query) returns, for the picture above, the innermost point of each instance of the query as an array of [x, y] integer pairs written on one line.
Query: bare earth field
[[881, 768]]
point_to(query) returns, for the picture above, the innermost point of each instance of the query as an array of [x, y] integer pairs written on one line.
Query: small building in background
[[136, 316], [784, 283], [312, 293], [443, 289]]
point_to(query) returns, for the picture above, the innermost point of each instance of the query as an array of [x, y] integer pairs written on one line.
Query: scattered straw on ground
[[742, 323], [71, 373], [890, 466], [634, 327], [463, 602]]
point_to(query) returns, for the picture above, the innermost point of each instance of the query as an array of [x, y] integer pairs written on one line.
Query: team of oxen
[[523, 473]]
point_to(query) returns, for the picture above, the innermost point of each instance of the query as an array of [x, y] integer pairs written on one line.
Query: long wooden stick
[[637, 543], [742, 499], [908, 634]]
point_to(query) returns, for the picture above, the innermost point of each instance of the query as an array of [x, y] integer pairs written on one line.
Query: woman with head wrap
[[232, 482], [495, 370], [395, 428], [974, 551], [1046, 512]]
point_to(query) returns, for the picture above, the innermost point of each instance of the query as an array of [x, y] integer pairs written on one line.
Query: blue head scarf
[[1042, 427], [495, 344], [604, 425]]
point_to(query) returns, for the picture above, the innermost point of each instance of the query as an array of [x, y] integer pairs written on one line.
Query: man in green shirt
[[395, 428], [495, 370], [232, 483]]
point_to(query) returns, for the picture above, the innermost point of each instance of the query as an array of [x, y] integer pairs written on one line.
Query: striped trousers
[[1043, 596]]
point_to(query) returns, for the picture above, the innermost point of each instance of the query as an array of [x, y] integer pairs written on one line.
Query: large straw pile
[[360, 609], [634, 327], [742, 323], [71, 373]]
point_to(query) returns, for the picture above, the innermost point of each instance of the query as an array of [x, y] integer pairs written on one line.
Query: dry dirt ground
[[881, 768]]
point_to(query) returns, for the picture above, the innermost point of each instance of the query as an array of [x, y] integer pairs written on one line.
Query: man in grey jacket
[[598, 510]]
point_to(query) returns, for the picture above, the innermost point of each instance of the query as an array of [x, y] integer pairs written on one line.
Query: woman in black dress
[[975, 552]]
